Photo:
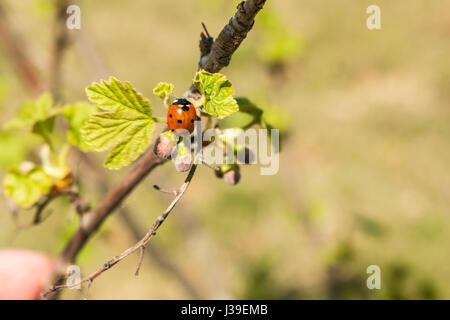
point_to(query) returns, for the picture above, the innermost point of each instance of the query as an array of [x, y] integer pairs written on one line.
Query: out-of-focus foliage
[[77, 115], [278, 43], [26, 188], [37, 115]]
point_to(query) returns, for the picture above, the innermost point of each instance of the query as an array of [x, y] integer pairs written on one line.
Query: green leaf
[[77, 114], [14, 148], [164, 91], [126, 126], [37, 115], [25, 189], [44, 129], [218, 94], [117, 95], [32, 111]]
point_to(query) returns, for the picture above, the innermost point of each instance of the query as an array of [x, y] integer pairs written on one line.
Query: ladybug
[[181, 115]]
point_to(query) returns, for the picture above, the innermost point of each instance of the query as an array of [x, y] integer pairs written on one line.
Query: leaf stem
[[160, 119]]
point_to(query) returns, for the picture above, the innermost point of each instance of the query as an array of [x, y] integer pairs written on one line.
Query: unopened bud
[[165, 145], [232, 177], [231, 173], [26, 166], [183, 160]]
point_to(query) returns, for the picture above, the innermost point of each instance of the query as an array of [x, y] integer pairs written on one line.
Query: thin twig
[[203, 161], [142, 243], [25, 69], [172, 192], [92, 220], [60, 42], [141, 258], [87, 290]]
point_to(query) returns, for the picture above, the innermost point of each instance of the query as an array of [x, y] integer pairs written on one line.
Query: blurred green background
[[364, 168]]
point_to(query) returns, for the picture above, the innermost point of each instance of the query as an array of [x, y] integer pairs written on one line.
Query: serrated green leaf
[[126, 126], [218, 94], [114, 94], [164, 91], [25, 189], [77, 114]]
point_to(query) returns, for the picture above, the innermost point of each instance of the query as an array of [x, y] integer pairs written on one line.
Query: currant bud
[[165, 144], [231, 173], [184, 159]]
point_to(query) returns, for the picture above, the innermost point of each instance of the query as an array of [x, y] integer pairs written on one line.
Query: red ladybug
[[181, 115]]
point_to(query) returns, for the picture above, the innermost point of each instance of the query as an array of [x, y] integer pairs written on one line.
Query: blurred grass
[[363, 174]]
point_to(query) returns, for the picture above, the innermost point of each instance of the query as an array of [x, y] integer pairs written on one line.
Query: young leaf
[[126, 126], [35, 114], [77, 114], [32, 111], [44, 129], [25, 189], [218, 94], [164, 91]]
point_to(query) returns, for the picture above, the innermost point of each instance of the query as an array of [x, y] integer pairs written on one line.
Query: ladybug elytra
[[181, 115]]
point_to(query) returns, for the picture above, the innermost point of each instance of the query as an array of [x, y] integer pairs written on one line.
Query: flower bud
[[231, 173], [232, 177], [26, 166], [165, 145], [183, 160]]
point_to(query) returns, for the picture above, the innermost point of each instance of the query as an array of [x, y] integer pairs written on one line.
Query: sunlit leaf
[[217, 92], [164, 91], [126, 125]]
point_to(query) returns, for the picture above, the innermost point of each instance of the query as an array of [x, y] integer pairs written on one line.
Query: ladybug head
[[181, 102]]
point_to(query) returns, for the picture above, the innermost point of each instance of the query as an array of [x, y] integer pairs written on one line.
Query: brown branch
[[26, 71], [232, 36], [91, 221], [217, 54], [139, 245], [60, 42]]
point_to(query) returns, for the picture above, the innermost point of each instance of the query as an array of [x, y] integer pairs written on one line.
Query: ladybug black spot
[[185, 108], [179, 121], [192, 120], [170, 115]]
